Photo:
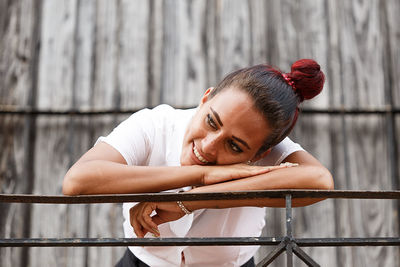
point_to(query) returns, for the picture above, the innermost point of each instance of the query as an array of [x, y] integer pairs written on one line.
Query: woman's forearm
[[301, 177], [110, 177], [105, 177]]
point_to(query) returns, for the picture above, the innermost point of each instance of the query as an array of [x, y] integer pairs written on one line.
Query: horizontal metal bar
[[48, 199], [113, 242], [11, 110], [345, 242], [210, 241]]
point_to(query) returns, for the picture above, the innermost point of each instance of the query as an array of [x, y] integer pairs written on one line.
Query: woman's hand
[[142, 221], [223, 173]]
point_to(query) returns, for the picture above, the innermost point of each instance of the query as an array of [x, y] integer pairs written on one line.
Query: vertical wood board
[[56, 65], [16, 59], [133, 43]]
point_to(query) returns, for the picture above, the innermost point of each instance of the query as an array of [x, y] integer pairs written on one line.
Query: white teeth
[[198, 155]]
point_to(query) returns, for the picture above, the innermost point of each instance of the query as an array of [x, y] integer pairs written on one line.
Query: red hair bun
[[307, 77]]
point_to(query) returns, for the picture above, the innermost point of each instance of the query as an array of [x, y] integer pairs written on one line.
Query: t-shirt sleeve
[[280, 152], [133, 137]]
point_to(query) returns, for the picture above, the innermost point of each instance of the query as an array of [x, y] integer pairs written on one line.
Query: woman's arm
[[310, 174], [103, 170]]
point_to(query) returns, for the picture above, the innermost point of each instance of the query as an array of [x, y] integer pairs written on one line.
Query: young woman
[[236, 139]]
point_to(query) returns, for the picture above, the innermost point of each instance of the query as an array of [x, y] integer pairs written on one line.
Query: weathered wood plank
[[105, 60], [367, 138], [183, 65], [154, 52], [234, 46], [54, 146], [133, 44], [54, 151], [17, 42], [105, 220], [14, 222], [361, 46], [314, 134], [390, 13], [84, 57], [259, 32], [56, 66]]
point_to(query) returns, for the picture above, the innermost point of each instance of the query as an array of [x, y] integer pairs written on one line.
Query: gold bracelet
[[183, 208]]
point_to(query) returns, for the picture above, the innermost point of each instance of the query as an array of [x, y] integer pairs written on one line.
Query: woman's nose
[[210, 145]]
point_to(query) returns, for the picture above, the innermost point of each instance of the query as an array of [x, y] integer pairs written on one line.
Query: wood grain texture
[[314, 134], [392, 40], [361, 49], [234, 47], [56, 68], [104, 220], [366, 139], [183, 66], [53, 148], [17, 45]]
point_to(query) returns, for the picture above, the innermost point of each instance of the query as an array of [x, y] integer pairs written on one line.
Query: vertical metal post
[[289, 249]]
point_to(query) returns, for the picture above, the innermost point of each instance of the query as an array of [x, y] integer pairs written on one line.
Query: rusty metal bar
[[48, 199], [115, 242], [206, 241], [348, 242]]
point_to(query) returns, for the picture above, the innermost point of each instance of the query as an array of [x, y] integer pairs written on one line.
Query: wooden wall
[[127, 54]]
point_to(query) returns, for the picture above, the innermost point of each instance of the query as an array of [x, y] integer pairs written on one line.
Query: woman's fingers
[[218, 174], [141, 220], [137, 228], [148, 222]]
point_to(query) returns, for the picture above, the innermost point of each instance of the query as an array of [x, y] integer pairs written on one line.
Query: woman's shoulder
[[165, 109], [168, 113], [279, 152]]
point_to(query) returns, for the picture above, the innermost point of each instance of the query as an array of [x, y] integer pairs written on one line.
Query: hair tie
[[289, 81]]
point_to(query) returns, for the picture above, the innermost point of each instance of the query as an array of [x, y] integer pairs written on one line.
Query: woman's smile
[[199, 157]]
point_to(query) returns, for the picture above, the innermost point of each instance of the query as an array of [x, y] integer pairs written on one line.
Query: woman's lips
[[198, 156]]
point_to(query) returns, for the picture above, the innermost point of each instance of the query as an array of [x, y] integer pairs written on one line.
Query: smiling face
[[226, 129]]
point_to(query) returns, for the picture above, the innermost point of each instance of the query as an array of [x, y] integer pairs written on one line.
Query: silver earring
[[248, 162]]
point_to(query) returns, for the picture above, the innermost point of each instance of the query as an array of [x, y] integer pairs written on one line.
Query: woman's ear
[[206, 94]]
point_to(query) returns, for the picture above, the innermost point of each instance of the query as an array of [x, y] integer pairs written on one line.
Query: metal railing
[[287, 243]]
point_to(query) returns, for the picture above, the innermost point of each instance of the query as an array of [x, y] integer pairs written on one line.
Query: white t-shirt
[[154, 138]]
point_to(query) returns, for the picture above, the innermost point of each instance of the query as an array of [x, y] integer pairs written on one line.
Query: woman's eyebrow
[[217, 117]]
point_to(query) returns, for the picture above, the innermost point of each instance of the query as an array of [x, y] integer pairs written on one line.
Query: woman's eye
[[235, 147], [211, 122]]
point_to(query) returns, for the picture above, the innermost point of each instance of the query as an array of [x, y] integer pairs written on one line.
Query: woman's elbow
[[325, 180], [70, 185]]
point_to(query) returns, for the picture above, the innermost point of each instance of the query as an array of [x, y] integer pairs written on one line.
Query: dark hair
[[277, 95]]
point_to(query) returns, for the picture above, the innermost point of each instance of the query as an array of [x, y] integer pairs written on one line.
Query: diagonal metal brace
[[274, 254], [303, 256]]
